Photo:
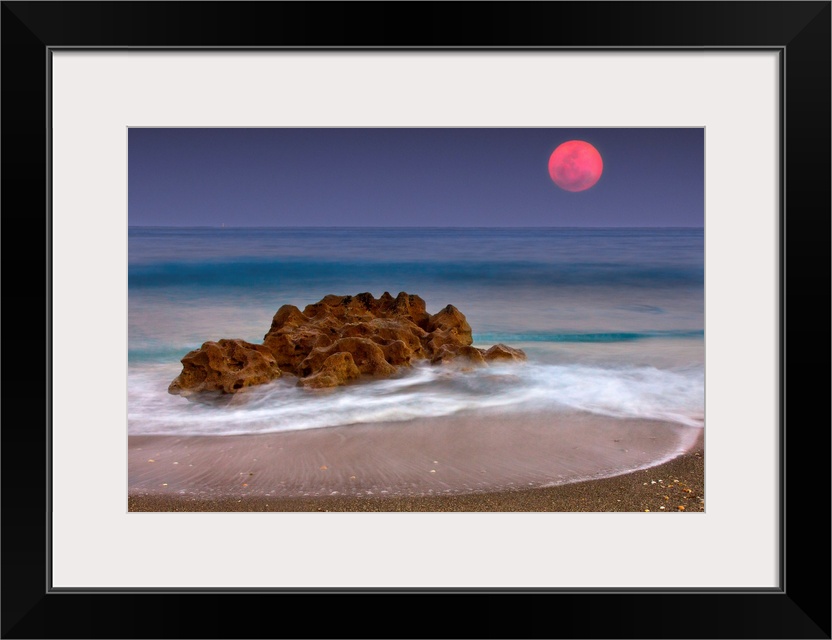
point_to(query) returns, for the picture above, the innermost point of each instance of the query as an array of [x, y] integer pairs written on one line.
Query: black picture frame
[[799, 608]]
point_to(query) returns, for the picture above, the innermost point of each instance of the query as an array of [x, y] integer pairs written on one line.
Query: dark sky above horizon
[[452, 177]]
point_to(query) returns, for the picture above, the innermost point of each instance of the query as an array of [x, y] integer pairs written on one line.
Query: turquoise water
[[612, 319]]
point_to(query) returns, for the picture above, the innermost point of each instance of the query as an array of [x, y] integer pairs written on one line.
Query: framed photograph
[[275, 238], [542, 349]]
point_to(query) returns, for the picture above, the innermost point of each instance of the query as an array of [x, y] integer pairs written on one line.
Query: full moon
[[575, 165]]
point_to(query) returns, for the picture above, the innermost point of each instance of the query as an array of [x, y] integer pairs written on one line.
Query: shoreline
[[676, 485]]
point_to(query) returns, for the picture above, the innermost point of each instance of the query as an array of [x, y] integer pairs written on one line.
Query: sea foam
[[421, 392]]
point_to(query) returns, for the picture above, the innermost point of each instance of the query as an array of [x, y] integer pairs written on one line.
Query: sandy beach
[[581, 464]]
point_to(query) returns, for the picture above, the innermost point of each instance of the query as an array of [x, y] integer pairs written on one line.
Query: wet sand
[[539, 463]]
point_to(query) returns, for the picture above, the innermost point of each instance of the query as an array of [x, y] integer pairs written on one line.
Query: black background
[[800, 609]]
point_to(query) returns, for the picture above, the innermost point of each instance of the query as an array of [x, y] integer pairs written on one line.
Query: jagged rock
[[337, 369], [366, 354], [226, 366], [338, 339], [450, 319], [504, 352], [290, 349], [464, 355], [397, 353], [301, 341]]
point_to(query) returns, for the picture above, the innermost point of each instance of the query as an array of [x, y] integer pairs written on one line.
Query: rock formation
[[337, 340], [227, 366]]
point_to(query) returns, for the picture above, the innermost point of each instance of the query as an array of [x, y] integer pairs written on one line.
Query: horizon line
[[159, 226]]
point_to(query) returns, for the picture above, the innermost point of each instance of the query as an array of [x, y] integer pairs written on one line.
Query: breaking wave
[[421, 392]]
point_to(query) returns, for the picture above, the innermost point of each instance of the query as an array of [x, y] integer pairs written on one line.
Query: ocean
[[612, 321]]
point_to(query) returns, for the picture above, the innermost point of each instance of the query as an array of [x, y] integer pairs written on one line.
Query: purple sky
[[496, 177]]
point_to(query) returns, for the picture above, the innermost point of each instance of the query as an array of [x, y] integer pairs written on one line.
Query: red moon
[[575, 165]]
